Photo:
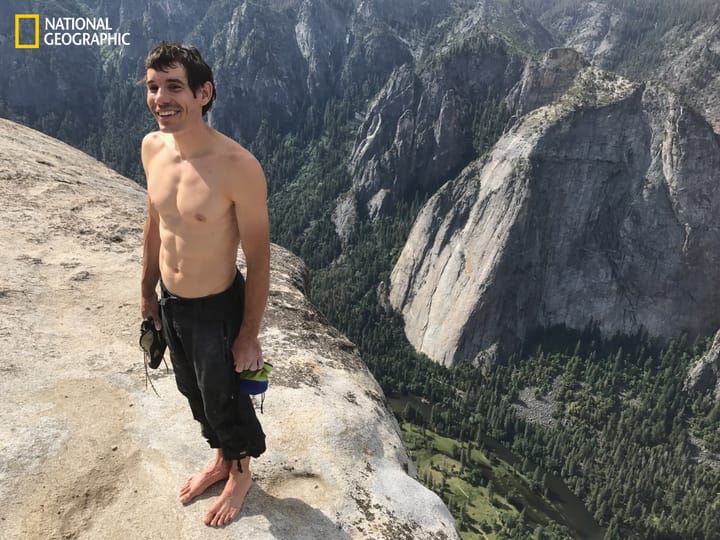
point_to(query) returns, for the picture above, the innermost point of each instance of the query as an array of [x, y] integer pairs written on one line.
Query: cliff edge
[[89, 452]]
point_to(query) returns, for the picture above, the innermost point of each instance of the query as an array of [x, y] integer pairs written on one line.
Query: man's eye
[[152, 89]]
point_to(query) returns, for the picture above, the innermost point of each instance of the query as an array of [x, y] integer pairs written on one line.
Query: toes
[[217, 521], [231, 516], [208, 518], [186, 495], [220, 518], [213, 517]]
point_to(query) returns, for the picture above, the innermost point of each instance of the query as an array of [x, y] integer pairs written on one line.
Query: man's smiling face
[[171, 99]]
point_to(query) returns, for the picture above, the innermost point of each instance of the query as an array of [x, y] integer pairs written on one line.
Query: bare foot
[[198, 483], [228, 505]]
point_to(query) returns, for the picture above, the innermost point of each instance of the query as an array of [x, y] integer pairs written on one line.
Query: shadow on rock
[[291, 517]]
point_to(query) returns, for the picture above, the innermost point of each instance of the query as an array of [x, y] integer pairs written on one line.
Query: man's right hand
[[150, 309]]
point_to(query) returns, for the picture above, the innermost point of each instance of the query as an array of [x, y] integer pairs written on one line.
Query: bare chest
[[187, 192]]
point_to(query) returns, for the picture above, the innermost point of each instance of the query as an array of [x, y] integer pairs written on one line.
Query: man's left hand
[[247, 353]]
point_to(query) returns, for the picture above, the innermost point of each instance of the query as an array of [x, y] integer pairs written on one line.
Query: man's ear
[[206, 92]]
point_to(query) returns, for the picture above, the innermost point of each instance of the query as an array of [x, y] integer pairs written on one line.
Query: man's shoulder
[[241, 171], [233, 150], [238, 158], [152, 143], [152, 138]]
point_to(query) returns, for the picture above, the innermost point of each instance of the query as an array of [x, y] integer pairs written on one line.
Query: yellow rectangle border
[[31, 16]]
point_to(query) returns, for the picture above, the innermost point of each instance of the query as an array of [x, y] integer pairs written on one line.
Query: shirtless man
[[206, 196]]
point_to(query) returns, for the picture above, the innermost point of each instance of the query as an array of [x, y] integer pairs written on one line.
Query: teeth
[[168, 113]]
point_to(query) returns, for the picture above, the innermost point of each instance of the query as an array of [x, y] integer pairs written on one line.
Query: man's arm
[[150, 268], [249, 195], [151, 255]]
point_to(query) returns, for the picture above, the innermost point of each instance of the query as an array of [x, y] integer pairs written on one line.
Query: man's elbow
[[258, 263]]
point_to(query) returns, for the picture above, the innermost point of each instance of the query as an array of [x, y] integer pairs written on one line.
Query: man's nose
[[161, 96]]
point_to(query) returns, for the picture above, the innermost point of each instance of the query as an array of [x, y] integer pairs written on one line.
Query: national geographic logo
[[34, 21], [65, 31]]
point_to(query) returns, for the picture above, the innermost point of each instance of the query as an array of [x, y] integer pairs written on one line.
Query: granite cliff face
[[599, 208], [705, 374], [591, 28], [89, 452], [686, 57], [418, 130], [694, 69], [545, 81]]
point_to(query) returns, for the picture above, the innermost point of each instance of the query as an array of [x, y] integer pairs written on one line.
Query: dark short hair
[[167, 54]]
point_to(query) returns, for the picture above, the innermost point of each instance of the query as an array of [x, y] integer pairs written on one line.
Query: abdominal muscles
[[198, 256]]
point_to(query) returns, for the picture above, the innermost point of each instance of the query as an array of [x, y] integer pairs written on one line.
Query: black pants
[[200, 333]]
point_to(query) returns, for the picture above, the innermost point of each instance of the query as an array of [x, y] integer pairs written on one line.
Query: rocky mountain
[[424, 123], [89, 451], [705, 374], [418, 130], [676, 42], [278, 64], [546, 81], [360, 109], [599, 208]]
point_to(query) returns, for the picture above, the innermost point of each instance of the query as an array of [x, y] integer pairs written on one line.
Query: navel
[[200, 218]]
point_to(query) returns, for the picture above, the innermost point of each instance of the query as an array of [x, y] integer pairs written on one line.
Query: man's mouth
[[166, 114]]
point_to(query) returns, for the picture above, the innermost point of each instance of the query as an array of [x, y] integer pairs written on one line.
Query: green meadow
[[490, 497]]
